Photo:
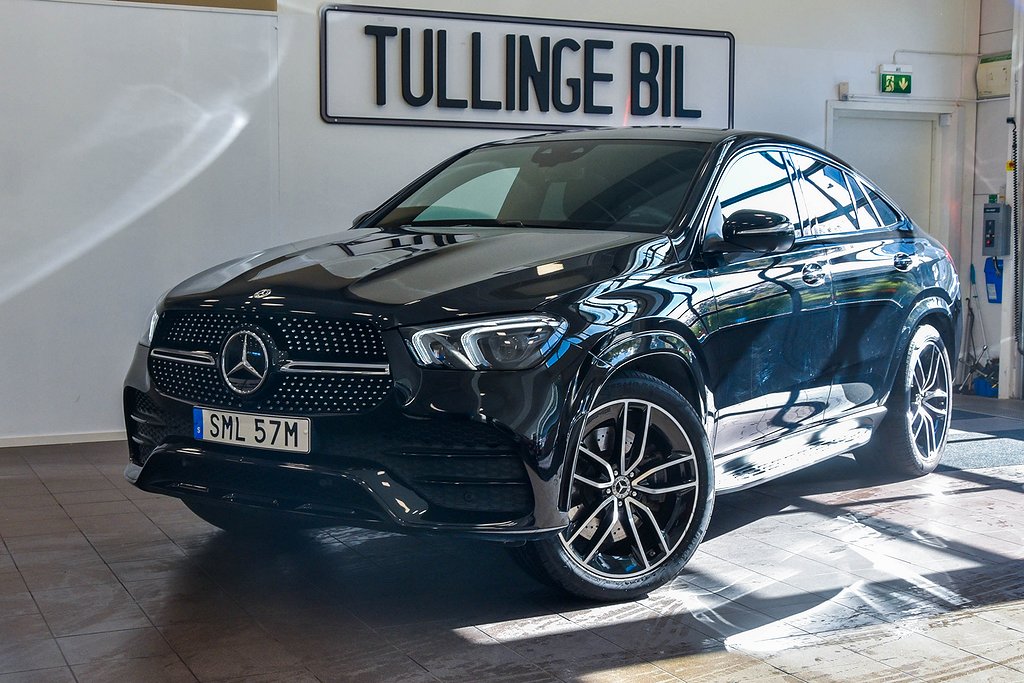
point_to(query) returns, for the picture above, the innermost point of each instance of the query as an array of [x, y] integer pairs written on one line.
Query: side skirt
[[753, 466]]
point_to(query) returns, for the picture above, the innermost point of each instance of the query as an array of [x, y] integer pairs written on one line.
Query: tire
[[912, 437], [640, 498], [242, 521]]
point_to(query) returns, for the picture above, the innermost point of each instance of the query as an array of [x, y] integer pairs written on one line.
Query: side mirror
[[360, 218], [757, 231]]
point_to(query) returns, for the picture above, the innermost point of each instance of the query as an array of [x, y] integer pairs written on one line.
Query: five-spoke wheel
[[930, 387], [634, 490], [913, 434], [640, 495]]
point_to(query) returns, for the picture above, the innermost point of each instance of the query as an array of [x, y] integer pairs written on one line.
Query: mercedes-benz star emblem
[[261, 294], [244, 362]]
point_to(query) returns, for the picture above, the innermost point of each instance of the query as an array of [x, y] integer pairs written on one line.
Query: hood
[[406, 276]]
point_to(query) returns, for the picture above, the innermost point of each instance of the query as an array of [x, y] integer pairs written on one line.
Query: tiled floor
[[825, 576]]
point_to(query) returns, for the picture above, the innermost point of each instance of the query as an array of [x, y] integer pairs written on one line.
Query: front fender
[[664, 354]]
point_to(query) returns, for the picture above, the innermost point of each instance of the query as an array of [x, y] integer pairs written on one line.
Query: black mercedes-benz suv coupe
[[570, 343]]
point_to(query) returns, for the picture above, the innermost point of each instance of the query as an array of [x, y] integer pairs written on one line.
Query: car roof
[[707, 135], [738, 139]]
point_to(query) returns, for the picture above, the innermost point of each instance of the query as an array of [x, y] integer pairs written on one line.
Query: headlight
[[513, 343]]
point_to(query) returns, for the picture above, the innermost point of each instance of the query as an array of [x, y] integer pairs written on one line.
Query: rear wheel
[[912, 437], [641, 495]]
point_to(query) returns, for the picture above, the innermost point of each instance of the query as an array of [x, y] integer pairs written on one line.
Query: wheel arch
[[929, 309], [665, 354], [661, 353]]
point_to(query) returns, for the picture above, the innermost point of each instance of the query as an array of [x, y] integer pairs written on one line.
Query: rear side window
[[884, 209], [758, 181], [865, 214], [826, 195]]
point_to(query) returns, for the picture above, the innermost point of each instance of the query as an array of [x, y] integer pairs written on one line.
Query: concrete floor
[[827, 575]]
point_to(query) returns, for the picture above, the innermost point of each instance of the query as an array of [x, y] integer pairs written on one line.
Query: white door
[[896, 150]]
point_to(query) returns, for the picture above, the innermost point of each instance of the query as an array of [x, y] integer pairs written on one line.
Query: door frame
[[947, 181]]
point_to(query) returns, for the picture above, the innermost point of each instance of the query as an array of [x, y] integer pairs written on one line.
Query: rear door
[[872, 264], [773, 329]]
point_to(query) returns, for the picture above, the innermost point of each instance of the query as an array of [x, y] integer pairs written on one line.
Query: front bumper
[[463, 453]]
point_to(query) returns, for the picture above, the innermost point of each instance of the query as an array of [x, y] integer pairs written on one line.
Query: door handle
[[903, 262], [813, 274]]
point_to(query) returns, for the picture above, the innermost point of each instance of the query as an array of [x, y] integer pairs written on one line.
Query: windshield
[[594, 184]]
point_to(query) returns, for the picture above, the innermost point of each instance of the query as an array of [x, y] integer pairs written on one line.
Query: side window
[[865, 215], [885, 211], [758, 181], [826, 195]]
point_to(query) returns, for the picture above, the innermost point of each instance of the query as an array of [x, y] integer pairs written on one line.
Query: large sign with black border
[[423, 68]]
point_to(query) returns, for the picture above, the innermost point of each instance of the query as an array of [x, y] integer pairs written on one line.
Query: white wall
[[138, 145], [144, 143], [991, 154]]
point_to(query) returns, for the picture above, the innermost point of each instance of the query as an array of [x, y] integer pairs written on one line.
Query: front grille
[[304, 338], [326, 394], [299, 339], [287, 394], [199, 331], [329, 339]]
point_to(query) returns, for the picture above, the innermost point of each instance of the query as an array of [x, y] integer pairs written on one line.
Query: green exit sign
[[895, 79]]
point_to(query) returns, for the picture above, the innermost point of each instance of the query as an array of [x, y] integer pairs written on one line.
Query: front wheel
[[640, 498], [912, 437]]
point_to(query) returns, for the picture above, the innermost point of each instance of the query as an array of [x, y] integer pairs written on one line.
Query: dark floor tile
[[69, 540], [189, 598], [137, 551], [93, 509], [23, 487], [51, 511], [295, 676], [130, 644], [231, 650], [11, 582], [713, 666], [36, 527], [166, 669], [65, 484], [162, 568], [355, 668], [25, 655], [61, 674], [27, 626], [90, 609], [63, 573], [80, 497], [465, 653]]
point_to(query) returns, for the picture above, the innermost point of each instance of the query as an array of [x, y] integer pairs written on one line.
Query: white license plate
[[252, 431]]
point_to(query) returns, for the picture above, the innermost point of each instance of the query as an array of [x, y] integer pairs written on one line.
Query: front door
[[773, 330]]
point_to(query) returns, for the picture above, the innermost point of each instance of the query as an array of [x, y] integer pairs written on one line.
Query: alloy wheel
[[634, 491], [930, 387]]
